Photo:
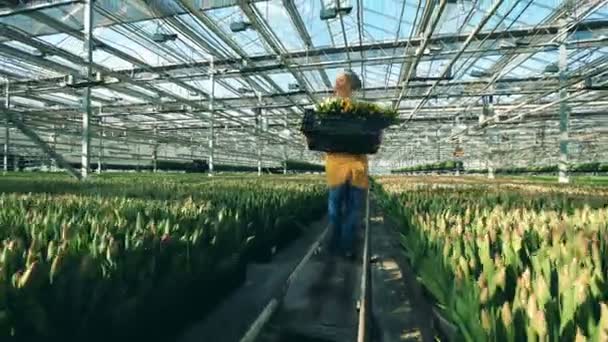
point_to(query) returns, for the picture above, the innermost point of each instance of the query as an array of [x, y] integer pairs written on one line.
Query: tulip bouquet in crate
[[345, 125]]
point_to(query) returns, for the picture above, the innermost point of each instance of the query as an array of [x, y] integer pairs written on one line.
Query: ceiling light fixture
[[239, 26], [164, 37]]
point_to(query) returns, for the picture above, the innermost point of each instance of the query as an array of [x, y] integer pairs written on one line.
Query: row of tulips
[[505, 265], [77, 267], [534, 187], [165, 186]]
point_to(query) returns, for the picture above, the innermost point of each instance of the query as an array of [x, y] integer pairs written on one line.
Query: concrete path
[[321, 306], [231, 319], [321, 303], [400, 311]]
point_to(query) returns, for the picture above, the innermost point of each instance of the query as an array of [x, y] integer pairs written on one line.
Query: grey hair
[[354, 79]]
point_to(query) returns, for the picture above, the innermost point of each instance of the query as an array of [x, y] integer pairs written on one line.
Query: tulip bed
[[129, 258], [506, 263]]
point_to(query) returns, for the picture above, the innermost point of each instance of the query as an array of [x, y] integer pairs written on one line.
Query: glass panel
[[205, 86], [249, 40], [281, 24], [115, 96], [283, 80], [317, 29], [131, 47], [17, 100], [206, 34], [374, 76]]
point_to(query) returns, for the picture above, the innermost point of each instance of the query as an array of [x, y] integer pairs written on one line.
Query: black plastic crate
[[344, 134]]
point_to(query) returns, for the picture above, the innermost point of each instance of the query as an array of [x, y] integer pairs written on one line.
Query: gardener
[[347, 178]]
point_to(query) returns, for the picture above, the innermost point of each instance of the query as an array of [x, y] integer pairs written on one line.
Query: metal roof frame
[[425, 71]]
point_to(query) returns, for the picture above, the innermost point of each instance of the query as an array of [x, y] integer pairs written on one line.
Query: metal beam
[[36, 5], [259, 124], [7, 139], [557, 31], [100, 152], [126, 78], [563, 108], [488, 112], [271, 39], [212, 119], [527, 85], [419, 31], [243, 58], [187, 72], [285, 147], [462, 48], [87, 73], [595, 69], [13, 118], [293, 13], [411, 68], [21, 55]]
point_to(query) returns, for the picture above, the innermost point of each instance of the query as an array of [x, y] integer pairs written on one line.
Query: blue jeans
[[345, 222]]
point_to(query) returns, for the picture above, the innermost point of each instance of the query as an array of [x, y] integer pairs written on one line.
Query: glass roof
[[154, 62]]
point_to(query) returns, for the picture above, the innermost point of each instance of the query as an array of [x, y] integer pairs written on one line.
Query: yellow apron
[[343, 167]]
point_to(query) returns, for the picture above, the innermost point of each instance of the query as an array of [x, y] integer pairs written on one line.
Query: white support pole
[[212, 121], [488, 111], [87, 72], [54, 147], [438, 145], [259, 132], [563, 108], [7, 139], [155, 151], [100, 153], [138, 150], [155, 159], [284, 145]]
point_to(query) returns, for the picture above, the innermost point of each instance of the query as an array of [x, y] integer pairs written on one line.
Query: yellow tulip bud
[[506, 315], [485, 321]]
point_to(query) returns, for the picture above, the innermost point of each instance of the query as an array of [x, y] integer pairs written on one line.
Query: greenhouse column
[[259, 132], [212, 121], [488, 111], [438, 145], [86, 98], [52, 165], [100, 156], [285, 146], [138, 151], [563, 107], [155, 158], [155, 151], [7, 139], [6, 144]]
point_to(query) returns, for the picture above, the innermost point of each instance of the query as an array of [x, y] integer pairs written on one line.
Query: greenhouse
[[303, 170]]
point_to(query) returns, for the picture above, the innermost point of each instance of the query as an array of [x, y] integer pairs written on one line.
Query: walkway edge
[[363, 301], [256, 327]]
